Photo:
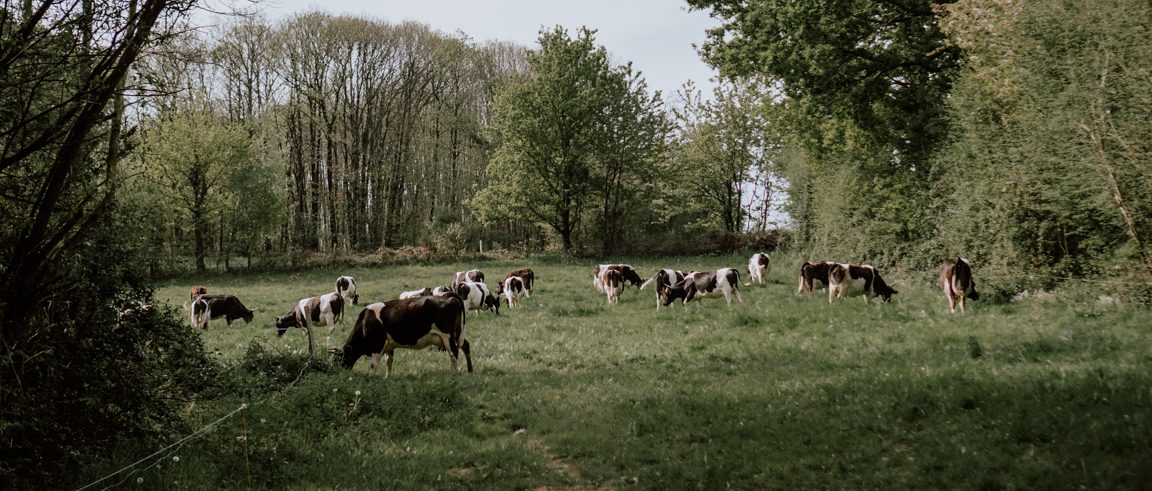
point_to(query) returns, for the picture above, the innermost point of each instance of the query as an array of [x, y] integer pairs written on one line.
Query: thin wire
[[162, 450]]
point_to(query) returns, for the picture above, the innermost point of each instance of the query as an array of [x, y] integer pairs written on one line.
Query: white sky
[[655, 35]]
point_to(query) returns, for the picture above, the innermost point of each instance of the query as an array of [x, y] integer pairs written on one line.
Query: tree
[[207, 169], [725, 143], [574, 123], [864, 84]]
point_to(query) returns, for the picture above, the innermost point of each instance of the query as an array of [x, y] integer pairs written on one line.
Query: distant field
[[781, 391]]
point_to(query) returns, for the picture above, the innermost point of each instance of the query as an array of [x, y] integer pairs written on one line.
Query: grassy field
[[780, 392]]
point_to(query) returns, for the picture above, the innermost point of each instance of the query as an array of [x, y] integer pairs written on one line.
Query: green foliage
[[1051, 156], [574, 131]]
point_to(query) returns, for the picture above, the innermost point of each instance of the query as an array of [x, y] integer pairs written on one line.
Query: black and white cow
[[758, 267], [663, 280], [956, 278], [811, 272], [477, 296], [723, 281], [308, 312], [206, 307], [851, 280], [514, 290], [413, 323], [346, 287]]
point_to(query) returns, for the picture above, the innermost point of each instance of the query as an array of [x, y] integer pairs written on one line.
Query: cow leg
[[449, 344], [388, 363], [311, 343], [739, 298], [467, 349], [375, 361], [962, 300], [331, 322]]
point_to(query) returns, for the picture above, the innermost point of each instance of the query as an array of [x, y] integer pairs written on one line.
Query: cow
[[758, 267], [663, 280], [346, 287], [462, 276], [207, 307], [442, 290], [613, 284], [477, 296], [626, 271], [811, 271], [513, 290], [724, 281], [956, 278], [525, 274], [423, 292], [309, 312], [851, 280], [413, 323], [197, 291]]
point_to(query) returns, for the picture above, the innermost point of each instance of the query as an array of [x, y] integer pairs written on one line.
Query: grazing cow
[[207, 307], [462, 276], [758, 267], [956, 278], [724, 281], [851, 280], [423, 292], [477, 296], [525, 274], [513, 290], [613, 284], [413, 323], [197, 291], [663, 280], [812, 271], [309, 312], [626, 271], [346, 287]]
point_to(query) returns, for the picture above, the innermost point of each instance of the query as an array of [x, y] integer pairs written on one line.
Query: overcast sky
[[655, 35]]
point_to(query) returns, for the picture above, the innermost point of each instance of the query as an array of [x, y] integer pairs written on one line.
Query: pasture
[[780, 392]]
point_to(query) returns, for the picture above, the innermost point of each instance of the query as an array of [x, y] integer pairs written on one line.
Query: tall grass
[[782, 391]]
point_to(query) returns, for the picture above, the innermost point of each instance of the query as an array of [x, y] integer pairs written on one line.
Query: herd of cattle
[[434, 316]]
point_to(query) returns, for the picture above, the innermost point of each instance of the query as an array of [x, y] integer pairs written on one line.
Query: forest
[[135, 145]]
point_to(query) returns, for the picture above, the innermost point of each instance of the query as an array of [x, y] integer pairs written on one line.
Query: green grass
[[780, 392]]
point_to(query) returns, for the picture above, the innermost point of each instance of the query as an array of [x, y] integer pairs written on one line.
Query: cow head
[[286, 321], [883, 289], [346, 356], [972, 293], [492, 303], [675, 292]]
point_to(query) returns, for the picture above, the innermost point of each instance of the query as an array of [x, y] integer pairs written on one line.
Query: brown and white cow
[[462, 276], [626, 271], [525, 274], [723, 281], [613, 284], [206, 307], [413, 323], [513, 290], [197, 291], [308, 312], [758, 267], [477, 296], [663, 280], [956, 278], [346, 287], [851, 280], [812, 271], [423, 292]]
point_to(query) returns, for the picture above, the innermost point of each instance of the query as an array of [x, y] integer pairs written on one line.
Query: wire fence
[[165, 453]]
